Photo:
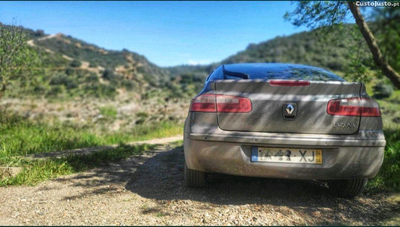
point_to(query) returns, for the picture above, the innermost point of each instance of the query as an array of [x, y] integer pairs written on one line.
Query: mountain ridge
[[131, 71]]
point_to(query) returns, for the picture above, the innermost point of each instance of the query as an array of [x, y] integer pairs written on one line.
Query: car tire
[[194, 178], [347, 188]]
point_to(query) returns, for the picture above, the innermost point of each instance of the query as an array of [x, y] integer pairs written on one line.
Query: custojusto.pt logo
[[377, 3]]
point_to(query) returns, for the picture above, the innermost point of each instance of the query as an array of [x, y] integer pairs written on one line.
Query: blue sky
[[167, 33]]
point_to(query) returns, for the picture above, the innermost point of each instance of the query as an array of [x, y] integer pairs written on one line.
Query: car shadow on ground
[[158, 175], [161, 178]]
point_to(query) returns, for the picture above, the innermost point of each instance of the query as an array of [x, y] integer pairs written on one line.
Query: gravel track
[[148, 190]]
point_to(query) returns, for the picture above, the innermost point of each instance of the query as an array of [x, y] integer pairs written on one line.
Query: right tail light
[[363, 107]]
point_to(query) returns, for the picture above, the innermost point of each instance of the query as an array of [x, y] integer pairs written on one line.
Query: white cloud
[[199, 62]]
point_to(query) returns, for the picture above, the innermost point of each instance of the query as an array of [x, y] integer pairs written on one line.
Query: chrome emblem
[[289, 108], [344, 125]]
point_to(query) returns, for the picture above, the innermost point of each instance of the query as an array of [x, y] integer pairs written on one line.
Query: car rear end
[[283, 121]]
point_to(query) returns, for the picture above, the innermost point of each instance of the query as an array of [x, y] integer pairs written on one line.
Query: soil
[[149, 190]]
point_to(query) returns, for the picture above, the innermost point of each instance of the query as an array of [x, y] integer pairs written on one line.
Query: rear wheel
[[194, 178], [347, 188]]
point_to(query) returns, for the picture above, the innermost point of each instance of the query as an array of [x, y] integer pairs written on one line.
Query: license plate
[[286, 155]]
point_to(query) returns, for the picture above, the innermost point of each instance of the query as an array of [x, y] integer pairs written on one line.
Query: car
[[290, 121]]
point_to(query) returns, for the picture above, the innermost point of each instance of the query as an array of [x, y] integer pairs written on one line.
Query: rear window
[[275, 71]]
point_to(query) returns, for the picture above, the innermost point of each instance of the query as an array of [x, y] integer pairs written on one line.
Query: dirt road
[[148, 190]]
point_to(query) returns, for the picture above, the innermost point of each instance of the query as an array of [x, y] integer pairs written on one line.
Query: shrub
[[128, 84], [38, 33], [152, 80], [109, 111], [92, 65], [382, 90], [39, 89], [100, 90], [62, 79], [55, 90], [142, 115], [71, 84], [108, 74], [69, 71], [92, 78], [59, 79], [388, 176], [76, 63]]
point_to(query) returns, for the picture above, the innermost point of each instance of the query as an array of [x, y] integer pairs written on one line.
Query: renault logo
[[289, 108]]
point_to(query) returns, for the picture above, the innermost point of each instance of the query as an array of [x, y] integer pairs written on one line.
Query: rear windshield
[[279, 72]]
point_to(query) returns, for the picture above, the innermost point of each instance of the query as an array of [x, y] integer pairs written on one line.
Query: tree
[[15, 55], [38, 33], [108, 74], [386, 28], [76, 63], [325, 13]]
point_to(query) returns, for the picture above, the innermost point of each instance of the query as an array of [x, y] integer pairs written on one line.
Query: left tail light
[[204, 103], [221, 104]]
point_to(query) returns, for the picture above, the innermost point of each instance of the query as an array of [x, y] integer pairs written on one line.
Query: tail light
[[220, 103], [354, 107], [291, 83], [233, 104], [204, 103]]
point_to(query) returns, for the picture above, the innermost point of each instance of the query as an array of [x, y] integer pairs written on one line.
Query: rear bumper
[[231, 154]]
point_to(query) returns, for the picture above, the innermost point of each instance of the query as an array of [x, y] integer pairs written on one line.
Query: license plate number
[[286, 155]]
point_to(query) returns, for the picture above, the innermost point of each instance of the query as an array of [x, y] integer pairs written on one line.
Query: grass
[[390, 109], [108, 111], [40, 170], [388, 178], [19, 136]]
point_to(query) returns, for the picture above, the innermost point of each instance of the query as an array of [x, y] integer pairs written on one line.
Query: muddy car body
[[283, 121]]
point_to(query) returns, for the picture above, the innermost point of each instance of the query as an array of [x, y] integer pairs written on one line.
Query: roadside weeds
[[41, 169]]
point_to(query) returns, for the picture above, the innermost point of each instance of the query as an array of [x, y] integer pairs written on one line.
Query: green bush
[[93, 65], [92, 78], [39, 89], [55, 90], [142, 114], [38, 33], [382, 90], [100, 90], [108, 74], [62, 79], [108, 111], [128, 84], [76, 63], [388, 176], [69, 71]]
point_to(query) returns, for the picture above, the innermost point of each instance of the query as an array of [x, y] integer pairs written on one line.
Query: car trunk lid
[[285, 107]]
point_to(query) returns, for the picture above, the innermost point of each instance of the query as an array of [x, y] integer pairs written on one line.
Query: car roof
[[271, 67]]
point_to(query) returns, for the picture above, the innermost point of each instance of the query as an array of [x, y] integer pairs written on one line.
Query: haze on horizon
[[166, 33]]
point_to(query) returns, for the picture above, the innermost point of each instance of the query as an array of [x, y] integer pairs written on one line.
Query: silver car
[[283, 121]]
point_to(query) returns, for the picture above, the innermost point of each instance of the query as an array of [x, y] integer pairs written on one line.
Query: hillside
[[311, 48], [129, 64], [77, 68], [302, 48]]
